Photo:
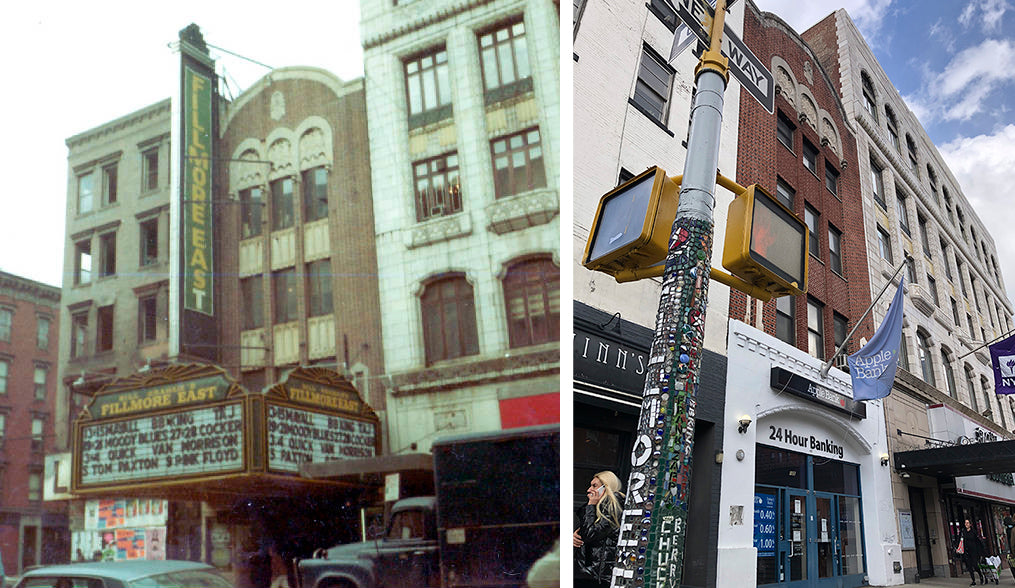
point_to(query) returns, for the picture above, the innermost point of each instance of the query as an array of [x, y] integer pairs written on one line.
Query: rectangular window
[[811, 219], [150, 171], [518, 163], [815, 330], [149, 246], [924, 236], [315, 194], [504, 57], [900, 207], [251, 209], [6, 320], [40, 382], [5, 367], [428, 87], [878, 186], [785, 193], [286, 296], [948, 265], [785, 313], [835, 249], [911, 270], [78, 334], [840, 327], [962, 278], [784, 131], [955, 313], [83, 262], [86, 192], [932, 286], [831, 179], [147, 318], [810, 157], [253, 302], [35, 478], [438, 189], [652, 90], [885, 245], [972, 327], [104, 329], [107, 255], [41, 332], [109, 176], [319, 300], [282, 204]]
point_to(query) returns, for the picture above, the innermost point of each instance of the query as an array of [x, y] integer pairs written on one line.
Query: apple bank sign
[[872, 366]]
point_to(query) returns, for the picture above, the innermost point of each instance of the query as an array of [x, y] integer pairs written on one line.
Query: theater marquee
[[188, 423]]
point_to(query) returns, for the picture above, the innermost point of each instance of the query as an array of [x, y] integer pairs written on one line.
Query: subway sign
[[187, 423]]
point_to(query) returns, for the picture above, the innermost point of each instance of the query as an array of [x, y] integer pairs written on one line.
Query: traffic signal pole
[[651, 545]]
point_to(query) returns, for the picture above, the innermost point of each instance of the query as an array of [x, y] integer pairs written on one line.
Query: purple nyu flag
[[1002, 359], [872, 369]]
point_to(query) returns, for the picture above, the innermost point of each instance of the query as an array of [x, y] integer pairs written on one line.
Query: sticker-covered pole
[[651, 545]]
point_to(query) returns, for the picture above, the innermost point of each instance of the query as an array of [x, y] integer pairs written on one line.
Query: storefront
[[610, 358], [972, 463], [804, 474]]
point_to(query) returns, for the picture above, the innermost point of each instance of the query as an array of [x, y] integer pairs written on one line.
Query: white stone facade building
[[464, 118]]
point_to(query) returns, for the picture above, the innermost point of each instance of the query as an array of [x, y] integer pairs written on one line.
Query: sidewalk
[[1006, 580]]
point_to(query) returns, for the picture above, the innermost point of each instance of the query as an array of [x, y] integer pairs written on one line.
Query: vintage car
[[124, 574]]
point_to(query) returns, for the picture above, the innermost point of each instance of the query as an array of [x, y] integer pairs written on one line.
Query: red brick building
[[805, 155], [31, 531]]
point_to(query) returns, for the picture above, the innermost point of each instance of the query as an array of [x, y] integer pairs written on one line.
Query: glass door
[[827, 536], [797, 536]]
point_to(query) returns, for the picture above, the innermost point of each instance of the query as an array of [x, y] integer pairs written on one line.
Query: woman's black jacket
[[971, 544], [598, 552]]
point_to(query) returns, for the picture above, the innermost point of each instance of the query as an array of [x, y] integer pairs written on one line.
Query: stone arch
[[808, 110], [243, 175], [281, 153], [315, 146], [785, 84], [830, 134]]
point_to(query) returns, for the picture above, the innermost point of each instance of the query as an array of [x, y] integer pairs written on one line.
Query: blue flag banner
[[1002, 359], [872, 369]]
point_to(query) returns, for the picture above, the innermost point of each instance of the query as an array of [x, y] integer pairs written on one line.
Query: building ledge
[[522, 211], [444, 228]]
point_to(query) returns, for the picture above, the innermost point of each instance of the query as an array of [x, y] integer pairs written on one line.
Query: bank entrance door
[[808, 537]]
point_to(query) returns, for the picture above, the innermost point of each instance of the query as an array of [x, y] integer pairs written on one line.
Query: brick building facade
[[31, 531]]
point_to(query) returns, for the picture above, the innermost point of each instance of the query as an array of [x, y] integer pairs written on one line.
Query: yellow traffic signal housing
[[633, 222], [766, 244]]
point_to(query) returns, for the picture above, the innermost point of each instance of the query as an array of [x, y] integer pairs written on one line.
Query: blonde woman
[[595, 539]]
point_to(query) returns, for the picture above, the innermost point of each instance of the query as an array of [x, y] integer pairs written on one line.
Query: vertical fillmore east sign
[[197, 190]]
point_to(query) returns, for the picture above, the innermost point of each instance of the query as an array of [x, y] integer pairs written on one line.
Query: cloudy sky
[[954, 64], [72, 66]]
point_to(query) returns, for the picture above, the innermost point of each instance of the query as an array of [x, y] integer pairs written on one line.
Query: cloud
[[960, 90], [867, 14], [982, 165], [985, 14]]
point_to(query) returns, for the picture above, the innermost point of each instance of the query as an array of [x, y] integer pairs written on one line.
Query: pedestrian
[[971, 549], [595, 539]]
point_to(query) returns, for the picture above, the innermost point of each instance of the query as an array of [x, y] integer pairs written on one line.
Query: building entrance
[[807, 523]]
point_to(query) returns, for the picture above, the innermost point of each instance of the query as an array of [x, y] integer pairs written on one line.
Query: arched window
[[449, 318], [893, 127], [932, 178], [532, 299], [914, 165], [869, 103], [949, 373], [926, 361]]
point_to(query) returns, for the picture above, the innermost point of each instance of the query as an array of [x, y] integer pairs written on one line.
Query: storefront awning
[[959, 460]]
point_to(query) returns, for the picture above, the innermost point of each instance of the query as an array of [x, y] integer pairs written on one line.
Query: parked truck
[[496, 511]]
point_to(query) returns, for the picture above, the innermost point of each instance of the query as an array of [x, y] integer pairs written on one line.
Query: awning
[[976, 459]]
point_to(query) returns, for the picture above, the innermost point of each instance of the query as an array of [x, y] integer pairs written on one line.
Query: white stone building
[[464, 118]]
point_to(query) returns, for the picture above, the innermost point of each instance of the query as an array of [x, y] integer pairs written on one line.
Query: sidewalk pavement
[[1006, 580]]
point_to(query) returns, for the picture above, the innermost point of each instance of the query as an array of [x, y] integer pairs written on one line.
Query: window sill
[[650, 116], [508, 91], [430, 117], [521, 211]]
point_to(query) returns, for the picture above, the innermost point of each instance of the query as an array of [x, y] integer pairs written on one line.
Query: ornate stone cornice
[[115, 126], [410, 25], [21, 287]]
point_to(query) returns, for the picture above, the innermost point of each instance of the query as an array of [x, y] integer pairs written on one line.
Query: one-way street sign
[[745, 65]]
